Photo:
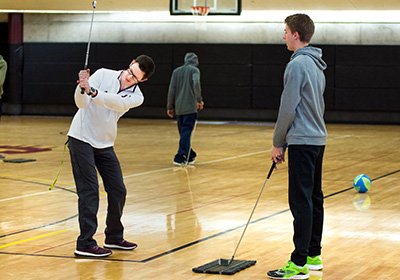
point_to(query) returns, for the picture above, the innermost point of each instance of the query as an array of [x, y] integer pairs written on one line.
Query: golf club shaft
[[88, 45], [252, 212]]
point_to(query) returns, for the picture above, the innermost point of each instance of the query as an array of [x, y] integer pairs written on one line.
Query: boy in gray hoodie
[[300, 127], [184, 100]]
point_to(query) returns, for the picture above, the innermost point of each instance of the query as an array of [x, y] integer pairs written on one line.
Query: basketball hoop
[[200, 13], [200, 10]]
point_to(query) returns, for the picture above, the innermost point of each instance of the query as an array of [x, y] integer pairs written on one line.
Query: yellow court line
[[32, 238]]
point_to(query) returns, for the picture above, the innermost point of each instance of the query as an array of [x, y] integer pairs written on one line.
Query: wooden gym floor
[[185, 217]]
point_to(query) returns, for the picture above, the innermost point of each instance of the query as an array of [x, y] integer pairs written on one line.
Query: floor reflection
[[183, 224]]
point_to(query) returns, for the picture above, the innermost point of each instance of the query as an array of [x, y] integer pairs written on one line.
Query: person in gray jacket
[[3, 71], [300, 127], [184, 101], [102, 99]]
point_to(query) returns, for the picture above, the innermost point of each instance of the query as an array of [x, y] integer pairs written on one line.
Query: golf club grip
[[85, 67], [271, 169]]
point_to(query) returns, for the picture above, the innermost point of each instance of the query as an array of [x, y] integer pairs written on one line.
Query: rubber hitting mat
[[19, 160], [224, 266]]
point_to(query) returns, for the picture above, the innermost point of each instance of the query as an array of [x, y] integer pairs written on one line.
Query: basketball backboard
[[216, 7]]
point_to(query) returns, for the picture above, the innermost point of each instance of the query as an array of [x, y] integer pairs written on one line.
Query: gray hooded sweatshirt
[[301, 112], [184, 89], [3, 71]]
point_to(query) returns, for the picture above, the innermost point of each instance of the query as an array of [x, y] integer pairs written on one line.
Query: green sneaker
[[289, 271], [314, 263]]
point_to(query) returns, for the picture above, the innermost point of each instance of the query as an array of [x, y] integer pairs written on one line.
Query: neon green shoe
[[290, 271], [314, 263]]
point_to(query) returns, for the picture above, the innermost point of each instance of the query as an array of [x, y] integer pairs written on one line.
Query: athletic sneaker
[[178, 162], [314, 263], [94, 251], [290, 271], [122, 245], [183, 162]]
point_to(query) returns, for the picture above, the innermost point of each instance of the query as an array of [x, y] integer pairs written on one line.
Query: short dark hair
[[146, 64], [302, 24]]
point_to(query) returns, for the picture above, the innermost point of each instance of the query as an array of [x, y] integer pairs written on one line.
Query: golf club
[[88, 45], [231, 266], [252, 212]]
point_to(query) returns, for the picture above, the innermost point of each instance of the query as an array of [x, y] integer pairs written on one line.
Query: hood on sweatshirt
[[191, 58], [314, 53]]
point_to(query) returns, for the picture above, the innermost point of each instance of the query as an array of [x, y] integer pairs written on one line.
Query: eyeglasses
[[130, 72]]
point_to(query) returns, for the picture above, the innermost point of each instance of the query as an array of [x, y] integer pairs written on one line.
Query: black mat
[[224, 266]]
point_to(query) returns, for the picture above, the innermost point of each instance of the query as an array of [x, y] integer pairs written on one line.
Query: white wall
[[250, 27]]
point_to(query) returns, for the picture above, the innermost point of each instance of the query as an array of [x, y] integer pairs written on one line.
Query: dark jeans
[[85, 160], [185, 127], [306, 200]]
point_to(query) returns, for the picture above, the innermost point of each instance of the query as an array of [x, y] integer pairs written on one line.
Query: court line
[[138, 174], [210, 237], [42, 226], [253, 222], [68, 257], [128, 176], [32, 194], [199, 240], [22, 196], [199, 164], [234, 157], [69, 189], [372, 180], [32, 238]]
